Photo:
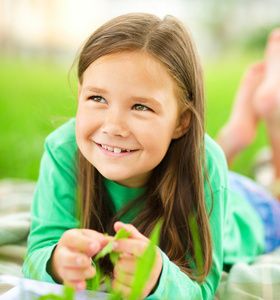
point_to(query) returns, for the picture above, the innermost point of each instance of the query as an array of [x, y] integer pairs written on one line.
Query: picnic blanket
[[259, 280], [15, 200]]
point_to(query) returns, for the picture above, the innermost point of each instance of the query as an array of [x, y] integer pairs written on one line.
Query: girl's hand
[[125, 267], [71, 259]]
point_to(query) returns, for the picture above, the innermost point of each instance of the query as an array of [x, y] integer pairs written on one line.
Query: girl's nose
[[115, 124]]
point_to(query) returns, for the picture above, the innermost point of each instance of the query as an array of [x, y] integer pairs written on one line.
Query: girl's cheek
[[83, 124]]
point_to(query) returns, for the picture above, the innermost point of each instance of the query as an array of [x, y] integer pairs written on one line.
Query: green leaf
[[145, 264], [121, 234], [108, 285], [114, 256], [115, 296], [51, 297], [94, 282], [69, 292], [156, 233], [106, 250]]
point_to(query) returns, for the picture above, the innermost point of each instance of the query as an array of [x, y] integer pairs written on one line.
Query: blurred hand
[[71, 259], [125, 267]]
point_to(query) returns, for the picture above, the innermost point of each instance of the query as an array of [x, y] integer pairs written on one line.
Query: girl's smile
[[115, 151], [127, 116]]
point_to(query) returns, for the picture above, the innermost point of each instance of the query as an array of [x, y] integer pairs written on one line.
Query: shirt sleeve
[[53, 208]]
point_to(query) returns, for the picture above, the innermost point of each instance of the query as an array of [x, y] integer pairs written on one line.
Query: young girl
[[136, 153]]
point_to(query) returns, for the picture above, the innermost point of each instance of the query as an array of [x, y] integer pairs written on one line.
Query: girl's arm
[[53, 209]]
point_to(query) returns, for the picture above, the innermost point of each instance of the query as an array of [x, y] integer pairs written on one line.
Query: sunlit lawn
[[36, 97]]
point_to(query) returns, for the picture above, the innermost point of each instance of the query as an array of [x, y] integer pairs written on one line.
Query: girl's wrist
[[155, 286], [51, 270], [159, 276]]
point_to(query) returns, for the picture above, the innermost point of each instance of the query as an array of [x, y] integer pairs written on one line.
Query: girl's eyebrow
[[95, 90], [145, 100]]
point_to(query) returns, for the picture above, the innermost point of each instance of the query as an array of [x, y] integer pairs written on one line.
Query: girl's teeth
[[117, 150]]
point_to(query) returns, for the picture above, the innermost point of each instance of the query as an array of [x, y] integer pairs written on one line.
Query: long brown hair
[[176, 190]]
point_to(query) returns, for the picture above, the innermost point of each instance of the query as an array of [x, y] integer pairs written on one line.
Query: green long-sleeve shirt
[[237, 231]]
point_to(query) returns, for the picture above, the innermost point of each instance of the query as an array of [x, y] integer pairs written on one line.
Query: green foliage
[[145, 264], [35, 99], [115, 296], [108, 249], [68, 294], [93, 283]]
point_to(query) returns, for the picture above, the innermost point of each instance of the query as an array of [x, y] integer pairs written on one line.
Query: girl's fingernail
[[115, 244], [87, 273], [79, 261], [80, 286], [93, 246]]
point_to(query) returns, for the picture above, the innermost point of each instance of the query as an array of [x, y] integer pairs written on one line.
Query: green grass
[[35, 98]]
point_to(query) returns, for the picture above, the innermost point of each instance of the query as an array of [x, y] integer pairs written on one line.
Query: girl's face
[[127, 116]]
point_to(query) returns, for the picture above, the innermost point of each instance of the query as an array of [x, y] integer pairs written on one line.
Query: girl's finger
[[70, 274], [95, 235], [126, 263], [131, 246], [119, 287], [84, 240], [123, 277], [78, 285], [134, 233], [69, 259]]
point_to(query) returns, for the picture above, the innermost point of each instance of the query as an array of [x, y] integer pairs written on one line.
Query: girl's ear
[[183, 124]]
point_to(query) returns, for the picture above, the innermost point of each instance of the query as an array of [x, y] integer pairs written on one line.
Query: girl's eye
[[97, 99], [140, 107]]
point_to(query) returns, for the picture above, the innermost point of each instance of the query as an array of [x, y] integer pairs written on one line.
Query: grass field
[[36, 97]]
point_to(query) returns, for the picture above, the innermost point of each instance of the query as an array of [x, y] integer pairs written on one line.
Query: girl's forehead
[[142, 57], [138, 61]]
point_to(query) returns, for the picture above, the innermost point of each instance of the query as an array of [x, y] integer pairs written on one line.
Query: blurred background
[[39, 40]]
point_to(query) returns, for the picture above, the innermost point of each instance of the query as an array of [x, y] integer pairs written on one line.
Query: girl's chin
[[130, 182], [113, 177]]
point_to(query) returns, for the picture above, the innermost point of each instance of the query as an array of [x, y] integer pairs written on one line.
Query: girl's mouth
[[114, 149]]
